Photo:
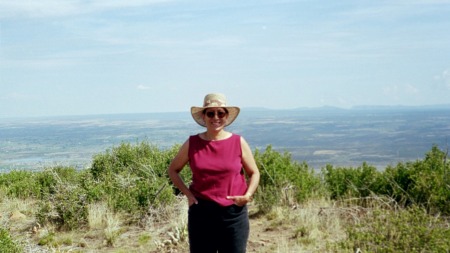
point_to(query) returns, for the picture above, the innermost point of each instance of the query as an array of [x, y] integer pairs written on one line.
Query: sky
[[77, 57]]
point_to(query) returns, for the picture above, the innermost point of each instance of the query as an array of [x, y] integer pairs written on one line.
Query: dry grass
[[308, 227], [96, 215], [112, 229], [104, 224], [172, 224]]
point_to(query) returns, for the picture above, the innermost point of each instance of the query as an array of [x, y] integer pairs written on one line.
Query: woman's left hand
[[241, 200]]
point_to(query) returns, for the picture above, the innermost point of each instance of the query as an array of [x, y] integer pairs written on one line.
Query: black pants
[[216, 229]]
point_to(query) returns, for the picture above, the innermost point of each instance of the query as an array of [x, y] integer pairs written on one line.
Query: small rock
[[16, 215], [36, 228]]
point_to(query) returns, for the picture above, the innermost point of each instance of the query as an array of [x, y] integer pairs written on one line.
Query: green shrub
[[131, 178], [431, 182], [67, 208], [397, 183], [51, 178], [423, 182], [404, 230], [142, 160], [7, 244], [283, 179], [63, 202], [19, 184], [136, 195], [30, 184], [358, 182]]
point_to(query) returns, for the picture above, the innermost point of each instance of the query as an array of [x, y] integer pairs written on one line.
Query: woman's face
[[215, 117]]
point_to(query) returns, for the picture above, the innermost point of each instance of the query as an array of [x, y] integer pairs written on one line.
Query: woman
[[218, 216]]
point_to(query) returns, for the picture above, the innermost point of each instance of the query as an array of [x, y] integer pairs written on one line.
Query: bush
[[284, 180], [357, 182], [424, 182], [397, 182], [67, 208], [51, 178], [7, 244], [431, 188], [141, 160], [29, 184], [19, 184], [131, 178], [405, 230]]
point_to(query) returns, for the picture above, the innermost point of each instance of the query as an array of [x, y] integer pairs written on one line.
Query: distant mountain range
[[402, 107], [358, 107]]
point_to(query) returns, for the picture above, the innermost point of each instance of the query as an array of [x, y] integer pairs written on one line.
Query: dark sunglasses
[[220, 114]]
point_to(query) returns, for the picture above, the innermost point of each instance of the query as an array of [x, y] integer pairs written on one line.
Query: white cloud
[[443, 79], [52, 8], [143, 87], [395, 90], [118, 4], [40, 8], [16, 96], [390, 90], [410, 89]]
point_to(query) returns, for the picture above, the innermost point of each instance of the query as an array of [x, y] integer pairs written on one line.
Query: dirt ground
[[267, 235]]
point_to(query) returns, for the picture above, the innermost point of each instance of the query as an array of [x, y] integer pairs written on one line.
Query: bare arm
[[175, 167], [252, 171]]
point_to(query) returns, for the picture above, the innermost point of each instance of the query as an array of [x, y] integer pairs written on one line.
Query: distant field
[[316, 136]]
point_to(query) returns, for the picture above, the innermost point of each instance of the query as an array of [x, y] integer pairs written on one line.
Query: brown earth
[[280, 232]]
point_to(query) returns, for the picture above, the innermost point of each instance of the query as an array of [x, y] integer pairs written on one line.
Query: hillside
[[125, 203]]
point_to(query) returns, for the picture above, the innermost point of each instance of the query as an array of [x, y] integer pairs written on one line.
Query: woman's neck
[[216, 135]]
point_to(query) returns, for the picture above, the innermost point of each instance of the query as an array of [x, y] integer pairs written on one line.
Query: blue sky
[[61, 57]]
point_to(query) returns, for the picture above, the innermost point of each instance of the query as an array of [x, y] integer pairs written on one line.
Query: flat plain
[[318, 136]]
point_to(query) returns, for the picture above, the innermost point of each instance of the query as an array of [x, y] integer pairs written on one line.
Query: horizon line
[[251, 108]]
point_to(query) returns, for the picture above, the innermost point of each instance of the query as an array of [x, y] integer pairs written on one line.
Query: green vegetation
[[424, 183], [405, 230], [7, 244], [284, 181], [403, 208]]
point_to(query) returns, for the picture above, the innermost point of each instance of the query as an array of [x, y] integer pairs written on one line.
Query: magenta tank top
[[216, 169]]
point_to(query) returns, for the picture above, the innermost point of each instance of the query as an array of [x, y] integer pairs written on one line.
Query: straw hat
[[214, 100]]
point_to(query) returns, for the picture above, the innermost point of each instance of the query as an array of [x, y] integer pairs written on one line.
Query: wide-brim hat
[[214, 100]]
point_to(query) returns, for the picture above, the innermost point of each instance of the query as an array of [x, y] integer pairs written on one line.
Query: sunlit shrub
[[19, 184], [351, 182], [404, 230], [423, 182], [7, 244], [49, 179], [284, 180], [67, 208], [131, 178], [142, 160], [431, 178], [30, 184]]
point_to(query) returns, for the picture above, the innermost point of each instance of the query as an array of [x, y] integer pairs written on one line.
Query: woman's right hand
[[192, 200]]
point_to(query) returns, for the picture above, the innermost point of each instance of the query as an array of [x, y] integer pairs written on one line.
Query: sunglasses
[[220, 114]]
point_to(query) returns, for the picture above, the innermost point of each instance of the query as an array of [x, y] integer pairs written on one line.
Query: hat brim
[[197, 114]]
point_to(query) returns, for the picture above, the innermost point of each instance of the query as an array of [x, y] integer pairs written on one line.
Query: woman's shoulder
[[237, 136], [194, 136]]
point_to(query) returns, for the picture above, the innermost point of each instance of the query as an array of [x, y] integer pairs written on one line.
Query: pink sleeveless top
[[216, 169]]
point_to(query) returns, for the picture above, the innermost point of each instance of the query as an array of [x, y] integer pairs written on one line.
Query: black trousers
[[216, 229]]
